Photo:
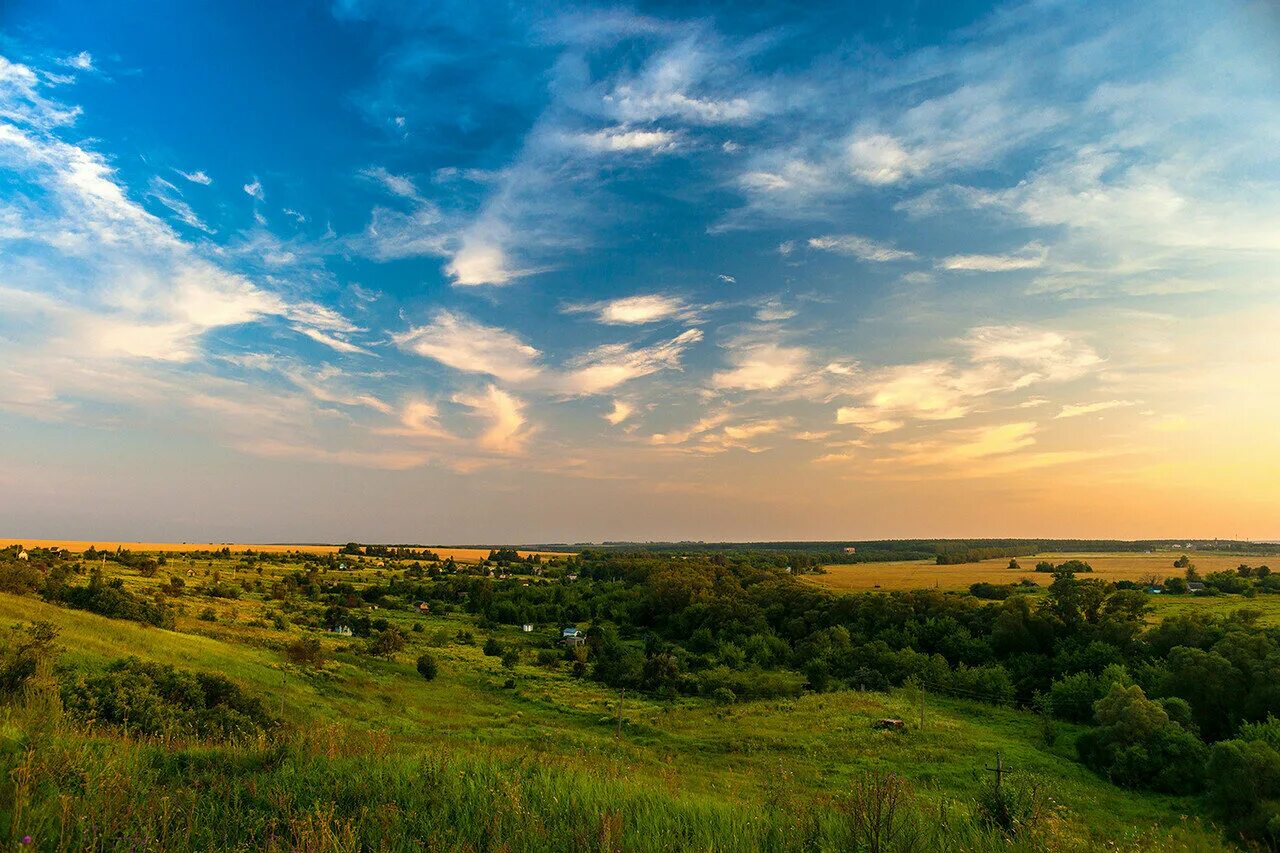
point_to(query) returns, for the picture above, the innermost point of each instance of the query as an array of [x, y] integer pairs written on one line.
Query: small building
[[22, 555], [849, 549], [341, 631], [572, 637], [1155, 590], [527, 628], [1195, 586], [571, 577], [422, 607]]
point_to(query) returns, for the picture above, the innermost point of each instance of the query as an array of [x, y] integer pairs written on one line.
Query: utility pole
[[999, 770]]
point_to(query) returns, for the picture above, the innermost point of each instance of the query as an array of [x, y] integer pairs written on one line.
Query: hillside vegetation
[[645, 737]]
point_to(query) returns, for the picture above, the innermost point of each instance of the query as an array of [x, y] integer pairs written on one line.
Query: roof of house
[[1195, 585], [570, 632]]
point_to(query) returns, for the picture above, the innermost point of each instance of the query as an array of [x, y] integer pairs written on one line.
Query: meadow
[[526, 756]]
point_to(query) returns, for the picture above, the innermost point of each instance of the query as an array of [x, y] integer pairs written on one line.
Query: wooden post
[[998, 770], [622, 695]]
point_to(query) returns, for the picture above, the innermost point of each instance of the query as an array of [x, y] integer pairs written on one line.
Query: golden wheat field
[[461, 555], [925, 574]]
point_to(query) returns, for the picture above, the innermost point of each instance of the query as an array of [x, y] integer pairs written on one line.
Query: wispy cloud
[[459, 342], [862, 248]]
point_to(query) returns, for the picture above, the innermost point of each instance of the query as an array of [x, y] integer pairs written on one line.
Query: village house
[[1195, 586], [572, 637], [527, 628], [422, 607], [341, 631], [22, 555]]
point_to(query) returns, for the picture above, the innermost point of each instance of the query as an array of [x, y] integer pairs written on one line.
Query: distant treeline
[[944, 551]]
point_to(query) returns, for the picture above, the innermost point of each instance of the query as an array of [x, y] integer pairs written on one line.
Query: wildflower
[[26, 841]]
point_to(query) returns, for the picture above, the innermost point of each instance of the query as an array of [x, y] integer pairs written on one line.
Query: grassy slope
[[748, 753]]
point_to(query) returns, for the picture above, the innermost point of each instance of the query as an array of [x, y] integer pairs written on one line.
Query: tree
[[427, 667], [388, 642], [1013, 564]]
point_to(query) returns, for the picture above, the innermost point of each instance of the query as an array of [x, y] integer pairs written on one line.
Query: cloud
[[1031, 256], [459, 342], [254, 189], [773, 311], [606, 367], [620, 412], [761, 366], [862, 248], [878, 158], [998, 359], [169, 195], [482, 260], [197, 177], [332, 341], [507, 431], [395, 184], [627, 139], [635, 310], [1075, 411], [82, 61], [962, 446]]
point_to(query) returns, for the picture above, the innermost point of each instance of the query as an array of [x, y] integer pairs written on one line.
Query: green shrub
[[156, 699], [427, 667]]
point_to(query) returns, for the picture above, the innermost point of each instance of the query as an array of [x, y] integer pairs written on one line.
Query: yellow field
[[461, 555], [924, 574]]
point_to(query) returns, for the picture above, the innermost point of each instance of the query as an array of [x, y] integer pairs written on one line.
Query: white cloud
[[197, 177], [482, 261], [878, 158], [1001, 359], [507, 432], [961, 446], [1075, 411], [773, 311], [1031, 256], [761, 366], [862, 248], [609, 366], [463, 344], [334, 342], [635, 310], [395, 184], [254, 189], [82, 61], [628, 139], [621, 411]]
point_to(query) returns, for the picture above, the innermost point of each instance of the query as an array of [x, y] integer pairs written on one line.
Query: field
[[925, 574], [751, 761], [461, 555]]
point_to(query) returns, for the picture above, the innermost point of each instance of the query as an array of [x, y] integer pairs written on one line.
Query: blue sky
[[464, 272]]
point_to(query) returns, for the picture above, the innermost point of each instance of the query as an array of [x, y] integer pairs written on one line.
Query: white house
[[572, 637], [527, 628]]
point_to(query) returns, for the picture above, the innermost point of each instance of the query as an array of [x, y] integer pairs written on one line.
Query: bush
[[492, 648], [156, 699], [427, 667], [510, 658], [110, 599], [22, 650], [990, 591], [306, 651], [723, 696], [1012, 806], [208, 615]]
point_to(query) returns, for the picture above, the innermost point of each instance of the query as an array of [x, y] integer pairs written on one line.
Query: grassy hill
[[525, 757]]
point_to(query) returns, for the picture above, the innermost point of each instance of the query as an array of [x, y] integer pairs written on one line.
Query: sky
[[477, 272]]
